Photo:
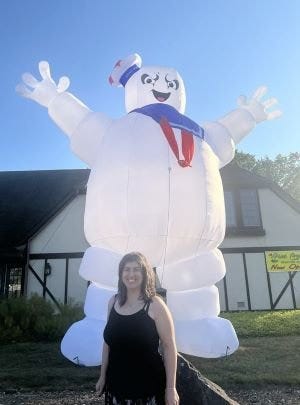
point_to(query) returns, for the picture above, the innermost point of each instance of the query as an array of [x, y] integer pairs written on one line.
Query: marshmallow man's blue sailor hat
[[124, 69]]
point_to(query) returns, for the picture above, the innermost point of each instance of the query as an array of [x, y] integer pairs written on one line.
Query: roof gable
[[30, 198], [234, 176]]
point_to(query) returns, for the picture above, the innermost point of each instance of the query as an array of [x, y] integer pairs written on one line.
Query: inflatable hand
[[44, 91], [257, 108]]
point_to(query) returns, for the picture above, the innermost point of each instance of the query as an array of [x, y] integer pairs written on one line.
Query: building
[[42, 239]]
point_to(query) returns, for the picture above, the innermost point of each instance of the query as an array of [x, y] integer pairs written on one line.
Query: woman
[[132, 371]]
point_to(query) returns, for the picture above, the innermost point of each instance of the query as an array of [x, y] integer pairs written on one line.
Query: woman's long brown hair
[[148, 283]]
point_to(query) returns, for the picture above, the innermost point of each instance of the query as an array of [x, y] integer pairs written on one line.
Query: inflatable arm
[[229, 130], [84, 127]]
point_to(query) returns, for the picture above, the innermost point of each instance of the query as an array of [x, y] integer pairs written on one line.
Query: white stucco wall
[[296, 282], [282, 226], [236, 287], [33, 285], [65, 231], [64, 234], [257, 278], [77, 286], [280, 221]]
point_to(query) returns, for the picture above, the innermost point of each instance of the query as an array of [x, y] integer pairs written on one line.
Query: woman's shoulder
[[113, 298], [157, 305], [112, 301], [156, 299]]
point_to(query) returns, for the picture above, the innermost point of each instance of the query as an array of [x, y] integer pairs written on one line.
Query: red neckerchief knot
[[187, 141]]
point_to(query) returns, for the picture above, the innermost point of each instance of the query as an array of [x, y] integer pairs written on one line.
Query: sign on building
[[284, 260]]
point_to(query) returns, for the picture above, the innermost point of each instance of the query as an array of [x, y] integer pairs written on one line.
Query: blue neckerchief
[[158, 111]]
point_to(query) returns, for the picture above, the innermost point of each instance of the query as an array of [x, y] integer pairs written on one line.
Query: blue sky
[[222, 48]]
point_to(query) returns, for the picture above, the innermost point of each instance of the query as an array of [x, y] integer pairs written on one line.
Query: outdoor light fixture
[[47, 269]]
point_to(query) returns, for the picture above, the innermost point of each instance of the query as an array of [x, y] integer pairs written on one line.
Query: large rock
[[194, 389]]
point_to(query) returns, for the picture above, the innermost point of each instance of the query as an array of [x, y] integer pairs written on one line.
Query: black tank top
[[135, 368]]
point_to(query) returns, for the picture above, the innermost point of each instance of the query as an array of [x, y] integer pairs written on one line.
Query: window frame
[[9, 287], [240, 229]]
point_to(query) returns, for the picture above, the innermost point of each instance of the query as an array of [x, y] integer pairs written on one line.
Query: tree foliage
[[283, 170]]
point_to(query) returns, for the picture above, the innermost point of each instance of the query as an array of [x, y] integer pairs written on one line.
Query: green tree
[[283, 170]]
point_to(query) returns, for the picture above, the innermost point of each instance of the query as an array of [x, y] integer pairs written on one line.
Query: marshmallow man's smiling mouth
[[161, 97]]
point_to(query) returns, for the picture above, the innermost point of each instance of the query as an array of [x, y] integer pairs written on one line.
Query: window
[[250, 208], [11, 279], [15, 282], [243, 212], [230, 209]]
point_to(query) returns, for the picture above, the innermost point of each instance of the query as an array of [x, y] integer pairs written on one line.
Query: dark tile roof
[[29, 199]]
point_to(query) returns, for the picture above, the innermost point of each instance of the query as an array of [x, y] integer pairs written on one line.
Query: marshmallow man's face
[[155, 84]]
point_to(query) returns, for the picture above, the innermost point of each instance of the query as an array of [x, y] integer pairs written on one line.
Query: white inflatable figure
[[154, 187]]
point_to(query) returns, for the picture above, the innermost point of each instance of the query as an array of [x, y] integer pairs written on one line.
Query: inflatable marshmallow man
[[154, 187]]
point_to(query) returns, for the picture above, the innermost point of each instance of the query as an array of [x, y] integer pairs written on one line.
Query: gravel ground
[[272, 395], [268, 396]]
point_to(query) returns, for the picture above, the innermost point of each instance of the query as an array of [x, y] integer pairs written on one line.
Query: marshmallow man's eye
[[173, 84], [146, 79]]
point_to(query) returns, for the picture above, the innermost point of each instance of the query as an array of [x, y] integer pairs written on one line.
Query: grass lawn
[[41, 366], [259, 361], [268, 354]]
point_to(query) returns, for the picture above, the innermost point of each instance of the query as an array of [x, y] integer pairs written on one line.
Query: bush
[[34, 319]]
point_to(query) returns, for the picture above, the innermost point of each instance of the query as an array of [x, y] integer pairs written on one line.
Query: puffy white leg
[[96, 301], [208, 337], [101, 266], [194, 304], [202, 270], [82, 343]]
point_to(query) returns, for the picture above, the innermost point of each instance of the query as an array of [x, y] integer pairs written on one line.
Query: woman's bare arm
[[165, 328], [105, 355]]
